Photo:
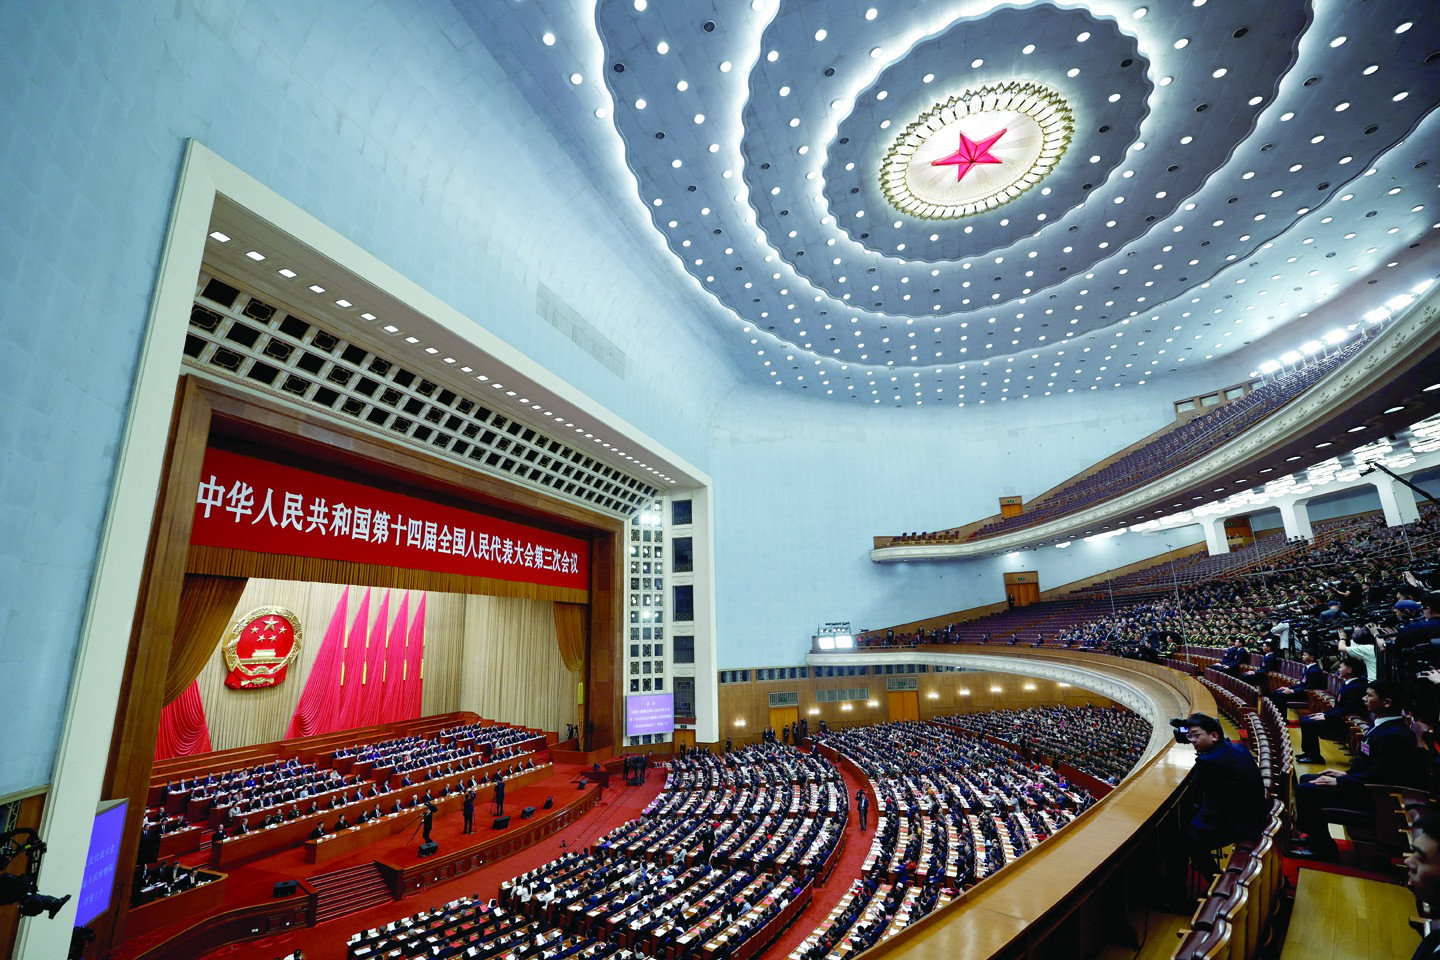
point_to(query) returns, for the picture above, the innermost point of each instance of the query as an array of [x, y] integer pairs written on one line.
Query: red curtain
[[414, 661], [351, 709], [373, 692], [183, 730], [392, 699], [318, 709]]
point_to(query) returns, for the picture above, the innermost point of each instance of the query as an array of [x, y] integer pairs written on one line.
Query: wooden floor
[[1349, 918], [1161, 939]]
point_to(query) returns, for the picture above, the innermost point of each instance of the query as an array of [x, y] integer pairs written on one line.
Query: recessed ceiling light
[[255, 255], [287, 273], [576, 79], [316, 288], [219, 237], [548, 39]]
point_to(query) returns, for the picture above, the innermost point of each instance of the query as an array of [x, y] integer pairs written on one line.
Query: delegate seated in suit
[[1388, 756], [1330, 724]]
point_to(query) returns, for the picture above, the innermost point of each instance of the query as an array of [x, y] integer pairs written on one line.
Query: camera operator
[[1228, 793], [1423, 631], [1331, 724], [1388, 756]]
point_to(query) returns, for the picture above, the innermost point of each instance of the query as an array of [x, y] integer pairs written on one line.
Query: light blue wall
[[390, 123], [800, 491]]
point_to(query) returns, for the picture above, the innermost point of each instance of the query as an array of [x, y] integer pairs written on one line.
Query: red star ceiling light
[[976, 151]]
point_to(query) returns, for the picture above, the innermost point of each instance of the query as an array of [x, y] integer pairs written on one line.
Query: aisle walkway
[[852, 858]]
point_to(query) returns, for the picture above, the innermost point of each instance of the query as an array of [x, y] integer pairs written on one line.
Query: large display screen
[[99, 878], [652, 713]]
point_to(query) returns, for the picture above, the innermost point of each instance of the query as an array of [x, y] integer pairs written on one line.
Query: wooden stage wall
[[940, 694]]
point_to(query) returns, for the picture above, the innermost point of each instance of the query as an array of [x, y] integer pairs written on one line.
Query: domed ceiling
[[954, 203]]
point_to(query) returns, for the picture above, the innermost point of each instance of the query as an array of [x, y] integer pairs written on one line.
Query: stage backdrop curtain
[[207, 605], [350, 710], [240, 718], [318, 709], [512, 669], [183, 730], [392, 699], [570, 634], [415, 663], [373, 683]]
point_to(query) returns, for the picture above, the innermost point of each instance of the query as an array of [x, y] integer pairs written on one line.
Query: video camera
[[1181, 727]]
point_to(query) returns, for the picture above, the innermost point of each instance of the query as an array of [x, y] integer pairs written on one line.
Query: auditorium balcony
[[1316, 408]]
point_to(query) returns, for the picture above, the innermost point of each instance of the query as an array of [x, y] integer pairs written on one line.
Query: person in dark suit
[[499, 797], [1422, 876], [862, 805], [1269, 662], [467, 809], [1313, 678], [427, 820], [1228, 792], [1388, 756], [1232, 658], [1330, 724]]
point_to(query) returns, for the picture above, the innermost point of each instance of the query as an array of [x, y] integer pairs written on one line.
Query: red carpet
[[852, 858], [326, 941]]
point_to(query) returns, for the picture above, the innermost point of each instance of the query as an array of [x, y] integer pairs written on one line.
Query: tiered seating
[[720, 862], [470, 928], [952, 809], [1104, 743], [1170, 451]]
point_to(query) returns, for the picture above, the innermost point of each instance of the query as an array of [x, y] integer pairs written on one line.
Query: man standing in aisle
[[862, 804], [467, 808]]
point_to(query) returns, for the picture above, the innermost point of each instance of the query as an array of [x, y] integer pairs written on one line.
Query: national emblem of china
[[261, 644]]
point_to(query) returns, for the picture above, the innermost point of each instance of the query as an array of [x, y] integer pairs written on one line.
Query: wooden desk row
[[260, 842], [335, 846]]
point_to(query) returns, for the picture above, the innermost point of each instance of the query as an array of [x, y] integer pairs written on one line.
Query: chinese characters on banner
[[250, 504]]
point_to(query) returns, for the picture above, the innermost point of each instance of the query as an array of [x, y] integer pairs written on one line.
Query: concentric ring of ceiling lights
[[1223, 163], [976, 151]]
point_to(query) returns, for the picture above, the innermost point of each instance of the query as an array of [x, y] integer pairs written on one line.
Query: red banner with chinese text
[[250, 504]]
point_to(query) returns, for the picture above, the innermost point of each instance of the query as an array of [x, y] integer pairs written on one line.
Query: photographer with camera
[[1228, 793], [1331, 724]]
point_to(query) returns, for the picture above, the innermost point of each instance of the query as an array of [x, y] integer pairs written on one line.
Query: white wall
[[802, 487]]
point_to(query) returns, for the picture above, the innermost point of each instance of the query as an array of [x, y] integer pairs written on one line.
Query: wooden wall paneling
[[940, 694], [603, 712], [132, 748]]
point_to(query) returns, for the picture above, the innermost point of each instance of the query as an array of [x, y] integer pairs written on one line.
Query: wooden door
[[904, 704], [1022, 588], [781, 717]]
